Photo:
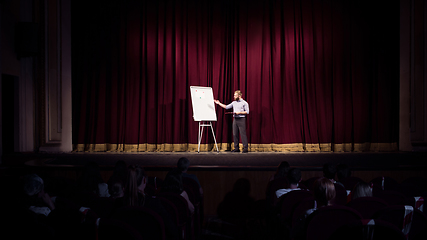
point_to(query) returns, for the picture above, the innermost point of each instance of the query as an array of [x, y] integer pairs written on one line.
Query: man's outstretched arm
[[219, 103]]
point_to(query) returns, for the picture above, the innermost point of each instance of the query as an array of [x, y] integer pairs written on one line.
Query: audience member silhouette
[[127, 186], [324, 193], [282, 171], [343, 172], [294, 178], [182, 165], [237, 204], [329, 171], [37, 201], [134, 196], [173, 183], [91, 180], [277, 181], [34, 214], [117, 180], [362, 189], [116, 189]]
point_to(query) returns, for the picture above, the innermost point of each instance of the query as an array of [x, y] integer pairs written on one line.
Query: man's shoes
[[245, 151], [235, 150]]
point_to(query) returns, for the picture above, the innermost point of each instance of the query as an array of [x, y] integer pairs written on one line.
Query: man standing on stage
[[240, 110]]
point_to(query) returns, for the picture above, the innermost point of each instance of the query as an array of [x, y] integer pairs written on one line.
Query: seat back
[[102, 206], [384, 183], [369, 229], [413, 187], [341, 195], [184, 216], [273, 186], [397, 215], [192, 184], [392, 197], [193, 190], [301, 208], [350, 182], [171, 209], [148, 223], [116, 229], [367, 206], [421, 182], [309, 183], [153, 185], [289, 202], [326, 220], [180, 203]]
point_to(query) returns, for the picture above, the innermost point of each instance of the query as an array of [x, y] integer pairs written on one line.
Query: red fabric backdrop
[[312, 71]]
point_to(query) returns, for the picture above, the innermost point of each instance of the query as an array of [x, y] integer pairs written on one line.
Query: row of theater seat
[[84, 215], [102, 224], [392, 222], [385, 188], [147, 224], [389, 211], [295, 203]]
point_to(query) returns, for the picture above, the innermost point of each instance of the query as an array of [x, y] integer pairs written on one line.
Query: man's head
[[294, 176], [237, 95], [329, 170], [283, 169], [183, 164], [33, 184], [343, 171]]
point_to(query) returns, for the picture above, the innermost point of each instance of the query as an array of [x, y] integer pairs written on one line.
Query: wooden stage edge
[[223, 161]]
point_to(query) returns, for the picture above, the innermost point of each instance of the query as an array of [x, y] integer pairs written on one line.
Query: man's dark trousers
[[239, 125]]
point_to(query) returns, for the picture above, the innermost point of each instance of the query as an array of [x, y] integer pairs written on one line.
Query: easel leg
[[201, 126], [200, 136], [213, 134]]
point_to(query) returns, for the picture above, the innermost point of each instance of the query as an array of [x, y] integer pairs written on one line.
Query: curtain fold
[[319, 75]]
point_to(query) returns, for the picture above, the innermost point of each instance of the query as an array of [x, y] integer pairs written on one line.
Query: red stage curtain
[[318, 75]]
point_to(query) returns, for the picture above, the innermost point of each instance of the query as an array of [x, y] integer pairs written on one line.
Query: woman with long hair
[[136, 182], [135, 196], [173, 183], [324, 192]]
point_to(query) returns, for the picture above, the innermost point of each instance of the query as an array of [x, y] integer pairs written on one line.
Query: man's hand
[[239, 113], [219, 103], [46, 198]]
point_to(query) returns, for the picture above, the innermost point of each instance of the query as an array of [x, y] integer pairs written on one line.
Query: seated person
[[38, 200], [117, 181], [238, 203], [116, 190], [294, 178], [92, 182], [134, 195], [329, 171], [362, 189], [324, 193], [282, 171], [173, 183], [183, 165], [343, 172]]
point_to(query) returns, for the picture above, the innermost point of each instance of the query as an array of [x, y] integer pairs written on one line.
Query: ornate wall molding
[[54, 83]]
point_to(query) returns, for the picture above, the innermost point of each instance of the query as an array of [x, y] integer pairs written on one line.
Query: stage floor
[[228, 160]]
